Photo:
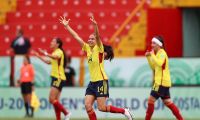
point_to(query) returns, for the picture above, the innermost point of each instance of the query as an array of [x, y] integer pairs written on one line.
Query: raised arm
[[96, 31], [44, 52], [71, 31], [41, 57]]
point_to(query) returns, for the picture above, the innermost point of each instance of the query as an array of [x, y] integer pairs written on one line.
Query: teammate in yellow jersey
[[158, 61], [58, 63], [98, 88]]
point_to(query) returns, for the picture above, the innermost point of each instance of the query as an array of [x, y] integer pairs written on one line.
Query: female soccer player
[[58, 63], [98, 88], [158, 61], [26, 82]]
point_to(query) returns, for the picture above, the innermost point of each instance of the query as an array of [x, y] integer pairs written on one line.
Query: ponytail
[[109, 50], [60, 43]]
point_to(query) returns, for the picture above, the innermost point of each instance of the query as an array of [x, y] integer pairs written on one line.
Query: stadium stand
[[39, 20]]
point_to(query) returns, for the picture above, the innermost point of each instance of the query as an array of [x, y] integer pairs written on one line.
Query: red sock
[[92, 115], [59, 106], [149, 112], [175, 111], [114, 109], [58, 115]]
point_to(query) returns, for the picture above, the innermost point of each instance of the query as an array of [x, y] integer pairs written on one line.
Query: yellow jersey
[[160, 66], [95, 59], [57, 70]]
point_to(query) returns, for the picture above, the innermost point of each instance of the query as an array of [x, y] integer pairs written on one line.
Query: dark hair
[[28, 59], [109, 50], [20, 31], [160, 38], [60, 44]]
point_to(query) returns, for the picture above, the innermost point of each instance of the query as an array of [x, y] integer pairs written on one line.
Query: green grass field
[[51, 119], [76, 119], [70, 119], [61, 119]]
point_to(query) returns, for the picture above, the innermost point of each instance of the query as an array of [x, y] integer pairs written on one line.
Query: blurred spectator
[[21, 44], [69, 73], [26, 83]]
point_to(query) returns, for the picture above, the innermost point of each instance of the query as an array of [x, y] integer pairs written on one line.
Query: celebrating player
[[158, 61], [58, 62], [98, 88]]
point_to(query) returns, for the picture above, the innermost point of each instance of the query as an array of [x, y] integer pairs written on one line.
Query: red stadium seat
[[40, 20]]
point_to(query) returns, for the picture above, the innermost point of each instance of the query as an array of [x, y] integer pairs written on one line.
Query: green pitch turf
[[77, 119], [52, 119]]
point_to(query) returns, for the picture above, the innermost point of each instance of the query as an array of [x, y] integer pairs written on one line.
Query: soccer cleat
[[67, 117], [127, 113]]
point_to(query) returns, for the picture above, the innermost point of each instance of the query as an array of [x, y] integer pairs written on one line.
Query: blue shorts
[[98, 89], [162, 92], [57, 83]]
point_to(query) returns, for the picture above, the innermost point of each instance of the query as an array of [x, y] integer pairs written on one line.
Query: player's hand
[[43, 51], [18, 83], [152, 52], [35, 53], [93, 20], [147, 53], [64, 21]]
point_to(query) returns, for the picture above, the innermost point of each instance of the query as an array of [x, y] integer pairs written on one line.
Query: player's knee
[[151, 101], [102, 108], [51, 99], [167, 102], [88, 106]]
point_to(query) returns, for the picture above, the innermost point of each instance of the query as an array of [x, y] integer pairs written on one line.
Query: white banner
[[187, 99], [5, 71], [122, 72]]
